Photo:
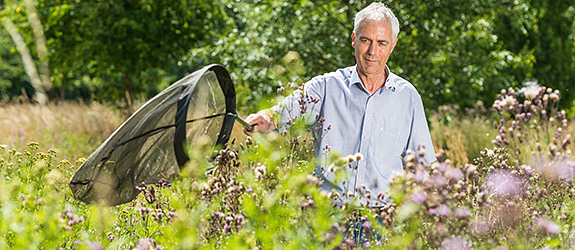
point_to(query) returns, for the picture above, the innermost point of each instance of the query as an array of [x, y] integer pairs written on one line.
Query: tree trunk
[[128, 85], [29, 66]]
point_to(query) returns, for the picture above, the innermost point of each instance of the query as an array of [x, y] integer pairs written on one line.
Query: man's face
[[373, 44]]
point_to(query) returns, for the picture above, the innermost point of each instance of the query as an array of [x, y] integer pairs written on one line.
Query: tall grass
[[462, 134], [73, 129]]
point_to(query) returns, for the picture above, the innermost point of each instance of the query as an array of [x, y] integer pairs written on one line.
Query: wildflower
[[563, 169], [503, 183], [444, 210], [410, 158], [170, 215], [547, 226], [554, 97], [96, 246], [509, 101], [453, 174], [350, 158], [453, 243], [260, 170], [419, 176], [531, 89], [421, 152], [461, 212], [146, 244], [312, 180], [439, 181], [358, 156], [366, 244], [349, 242], [331, 168], [366, 224], [418, 197]]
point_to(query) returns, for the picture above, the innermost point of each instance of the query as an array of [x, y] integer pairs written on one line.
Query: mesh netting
[[150, 145]]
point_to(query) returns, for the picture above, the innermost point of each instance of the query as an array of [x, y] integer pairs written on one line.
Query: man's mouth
[[370, 60]]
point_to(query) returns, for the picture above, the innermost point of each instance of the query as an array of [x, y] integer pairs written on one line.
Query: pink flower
[[367, 224]]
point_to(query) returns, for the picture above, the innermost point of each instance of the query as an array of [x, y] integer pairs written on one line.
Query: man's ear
[[352, 39], [393, 45]]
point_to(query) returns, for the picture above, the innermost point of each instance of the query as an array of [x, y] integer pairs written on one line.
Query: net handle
[[241, 121]]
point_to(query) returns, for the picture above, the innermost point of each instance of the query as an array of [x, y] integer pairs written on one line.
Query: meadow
[[504, 179]]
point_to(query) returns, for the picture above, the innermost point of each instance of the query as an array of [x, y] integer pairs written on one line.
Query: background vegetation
[[454, 52], [505, 176]]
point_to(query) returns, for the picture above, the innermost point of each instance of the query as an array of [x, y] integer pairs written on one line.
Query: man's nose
[[372, 48]]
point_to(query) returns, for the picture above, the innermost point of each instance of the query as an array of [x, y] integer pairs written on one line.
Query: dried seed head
[[358, 156]]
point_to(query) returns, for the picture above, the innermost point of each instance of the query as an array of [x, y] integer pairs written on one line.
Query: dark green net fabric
[[152, 144]]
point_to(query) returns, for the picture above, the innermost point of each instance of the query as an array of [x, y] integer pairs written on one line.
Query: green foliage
[[454, 52], [12, 77], [122, 43]]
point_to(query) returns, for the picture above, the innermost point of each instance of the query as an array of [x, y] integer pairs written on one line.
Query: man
[[367, 111]]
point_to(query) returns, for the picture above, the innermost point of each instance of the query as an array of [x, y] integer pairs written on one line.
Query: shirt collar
[[390, 83]]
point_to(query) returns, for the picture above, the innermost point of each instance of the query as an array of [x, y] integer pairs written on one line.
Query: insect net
[[151, 145]]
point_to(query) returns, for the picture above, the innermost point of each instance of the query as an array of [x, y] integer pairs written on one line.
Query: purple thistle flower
[[453, 174], [418, 197], [453, 243], [419, 176], [548, 226], [432, 211], [444, 210], [366, 244], [461, 212], [349, 242], [439, 181], [503, 183], [367, 224]]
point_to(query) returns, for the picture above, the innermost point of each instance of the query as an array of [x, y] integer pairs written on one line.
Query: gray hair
[[379, 12]]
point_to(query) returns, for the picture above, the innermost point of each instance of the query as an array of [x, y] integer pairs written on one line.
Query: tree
[[120, 40], [39, 74]]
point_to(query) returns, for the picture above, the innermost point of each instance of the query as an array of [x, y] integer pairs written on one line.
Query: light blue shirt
[[381, 127]]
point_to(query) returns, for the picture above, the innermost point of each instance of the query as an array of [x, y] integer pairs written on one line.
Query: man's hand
[[261, 122]]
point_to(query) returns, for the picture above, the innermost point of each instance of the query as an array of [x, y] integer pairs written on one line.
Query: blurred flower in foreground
[[503, 183], [547, 226], [454, 243]]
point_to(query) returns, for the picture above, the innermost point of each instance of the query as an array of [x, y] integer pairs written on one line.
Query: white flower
[[531, 89]]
